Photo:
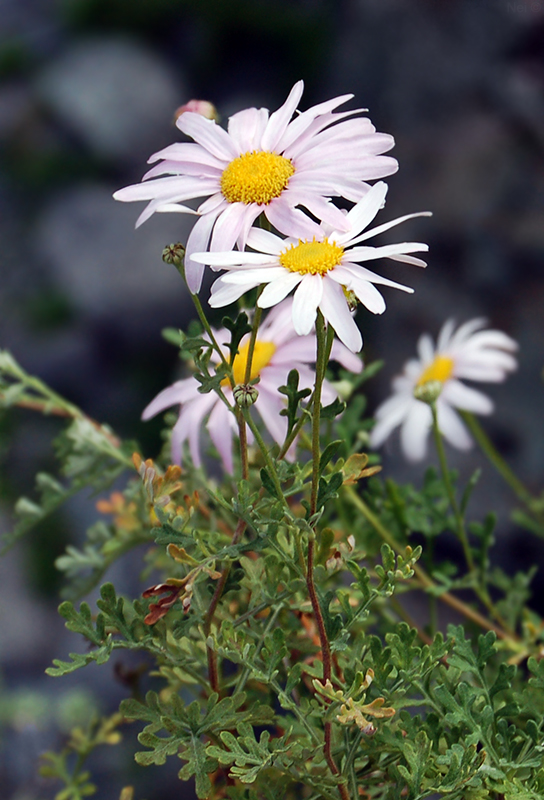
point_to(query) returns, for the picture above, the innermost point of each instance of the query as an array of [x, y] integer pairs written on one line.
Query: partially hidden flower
[[267, 163], [278, 350], [469, 353], [325, 269]]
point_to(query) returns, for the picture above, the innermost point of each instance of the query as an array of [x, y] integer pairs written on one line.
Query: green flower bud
[[428, 392], [174, 254], [245, 395]]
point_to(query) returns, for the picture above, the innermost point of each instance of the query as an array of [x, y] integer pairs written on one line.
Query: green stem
[[459, 521], [425, 580], [266, 455], [242, 680], [252, 340], [497, 460], [324, 345], [207, 327]]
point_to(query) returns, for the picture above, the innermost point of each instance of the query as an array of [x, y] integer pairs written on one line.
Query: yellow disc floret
[[256, 177], [314, 258], [440, 369], [262, 354]]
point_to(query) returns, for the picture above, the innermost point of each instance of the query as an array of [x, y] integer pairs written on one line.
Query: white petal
[[452, 427], [414, 430], [305, 302], [387, 225], [389, 415], [461, 396], [223, 294], [364, 212], [335, 310], [232, 258], [278, 289], [265, 241]]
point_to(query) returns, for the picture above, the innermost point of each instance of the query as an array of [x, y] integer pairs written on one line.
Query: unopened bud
[[202, 107], [245, 395], [174, 254], [428, 392]]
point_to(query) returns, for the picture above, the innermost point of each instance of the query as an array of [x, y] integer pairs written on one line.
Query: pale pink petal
[[280, 119], [204, 131], [269, 404], [198, 240], [219, 428], [246, 129], [290, 221], [346, 357], [179, 392], [228, 227]]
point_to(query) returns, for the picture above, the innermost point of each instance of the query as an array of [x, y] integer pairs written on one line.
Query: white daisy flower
[[278, 350], [323, 268], [470, 353], [267, 163]]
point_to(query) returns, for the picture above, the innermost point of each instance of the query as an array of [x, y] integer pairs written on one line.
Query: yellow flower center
[[262, 354], [439, 370], [256, 177], [315, 258]]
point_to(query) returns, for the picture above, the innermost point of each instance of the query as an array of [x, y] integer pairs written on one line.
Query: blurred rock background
[[88, 89]]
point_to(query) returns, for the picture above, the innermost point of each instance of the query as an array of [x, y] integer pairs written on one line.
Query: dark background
[[88, 89]]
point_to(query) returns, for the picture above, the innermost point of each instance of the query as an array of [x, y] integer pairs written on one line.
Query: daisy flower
[[267, 163], [470, 353], [278, 350], [323, 269]]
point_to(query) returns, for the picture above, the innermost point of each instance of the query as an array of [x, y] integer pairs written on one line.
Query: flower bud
[[174, 254], [202, 107], [245, 395], [428, 392]]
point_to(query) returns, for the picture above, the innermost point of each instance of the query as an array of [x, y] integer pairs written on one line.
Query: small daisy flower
[[470, 353], [278, 350], [267, 163], [323, 269]]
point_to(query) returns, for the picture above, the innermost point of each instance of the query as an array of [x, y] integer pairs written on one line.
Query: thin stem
[[316, 419], [498, 461], [252, 340], [460, 523], [242, 435], [324, 344], [213, 671], [242, 680], [266, 455], [207, 327], [425, 580]]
